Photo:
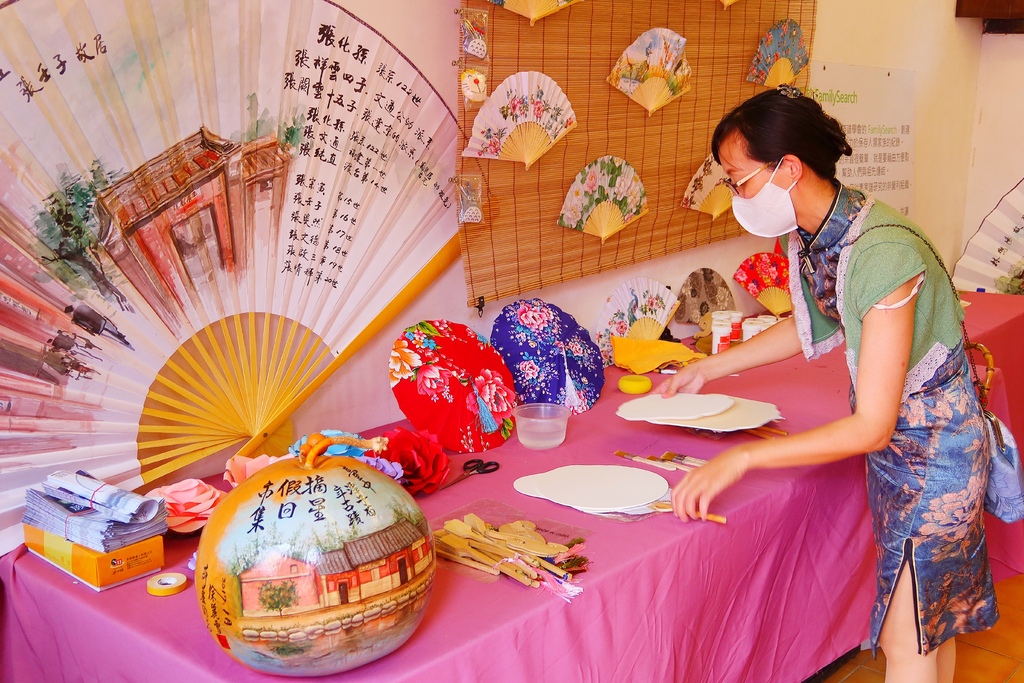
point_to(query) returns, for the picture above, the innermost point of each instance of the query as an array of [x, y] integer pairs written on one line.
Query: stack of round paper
[[714, 412], [595, 488]]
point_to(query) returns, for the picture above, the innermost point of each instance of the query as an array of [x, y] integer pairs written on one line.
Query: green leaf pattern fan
[[606, 196]]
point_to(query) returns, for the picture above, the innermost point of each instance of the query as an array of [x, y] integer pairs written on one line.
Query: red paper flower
[[424, 463]]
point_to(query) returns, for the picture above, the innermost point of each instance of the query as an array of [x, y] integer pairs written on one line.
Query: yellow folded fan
[[653, 70], [707, 191], [534, 9], [606, 196], [639, 308], [172, 293], [644, 355], [522, 119]]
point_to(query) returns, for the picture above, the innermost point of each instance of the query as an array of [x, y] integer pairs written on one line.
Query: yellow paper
[[644, 355]]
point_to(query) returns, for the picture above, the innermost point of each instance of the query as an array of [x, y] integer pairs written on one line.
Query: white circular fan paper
[[678, 407], [653, 70], [743, 414], [606, 196], [994, 257], [596, 488], [524, 117], [707, 191], [202, 218], [639, 308]]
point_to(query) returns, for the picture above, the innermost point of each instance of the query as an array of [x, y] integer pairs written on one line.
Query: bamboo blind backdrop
[[519, 246]]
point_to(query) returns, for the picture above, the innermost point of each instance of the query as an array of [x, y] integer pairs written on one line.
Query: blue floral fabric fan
[[551, 356], [781, 55]]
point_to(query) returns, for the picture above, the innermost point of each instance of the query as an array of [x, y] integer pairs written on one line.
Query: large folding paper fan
[[765, 276], [522, 119], [994, 257], [535, 9], [639, 308], [707, 191], [780, 56], [201, 218], [653, 70], [606, 196]]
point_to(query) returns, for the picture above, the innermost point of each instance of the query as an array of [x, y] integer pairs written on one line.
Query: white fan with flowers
[[707, 191], [653, 70], [525, 116], [639, 308], [201, 219]]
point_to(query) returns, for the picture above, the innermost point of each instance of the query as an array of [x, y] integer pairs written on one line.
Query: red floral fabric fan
[[765, 276], [449, 381]]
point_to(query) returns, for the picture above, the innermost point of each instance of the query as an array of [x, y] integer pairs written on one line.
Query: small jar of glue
[[750, 327], [721, 333]]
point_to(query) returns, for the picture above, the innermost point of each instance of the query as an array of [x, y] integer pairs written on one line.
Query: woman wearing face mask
[[863, 274]]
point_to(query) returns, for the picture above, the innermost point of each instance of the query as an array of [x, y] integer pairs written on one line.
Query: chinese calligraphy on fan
[[359, 137], [30, 85]]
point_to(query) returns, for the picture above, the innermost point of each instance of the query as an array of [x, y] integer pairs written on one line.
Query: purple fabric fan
[[551, 356]]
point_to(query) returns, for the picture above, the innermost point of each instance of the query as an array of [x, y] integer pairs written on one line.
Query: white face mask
[[769, 213]]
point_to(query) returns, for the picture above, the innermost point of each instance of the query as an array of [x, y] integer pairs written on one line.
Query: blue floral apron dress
[[926, 489]]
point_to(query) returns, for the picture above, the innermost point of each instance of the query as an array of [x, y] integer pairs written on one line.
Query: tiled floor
[[995, 656]]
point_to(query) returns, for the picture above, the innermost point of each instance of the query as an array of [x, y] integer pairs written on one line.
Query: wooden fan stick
[[440, 262], [200, 407], [190, 456], [248, 380], [205, 377], [277, 362]]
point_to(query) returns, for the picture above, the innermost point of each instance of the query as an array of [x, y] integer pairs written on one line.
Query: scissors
[[474, 466]]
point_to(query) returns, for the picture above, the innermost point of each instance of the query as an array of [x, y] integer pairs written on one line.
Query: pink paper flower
[[239, 468], [189, 504]]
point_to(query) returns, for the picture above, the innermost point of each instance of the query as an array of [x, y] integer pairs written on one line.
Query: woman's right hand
[[689, 380]]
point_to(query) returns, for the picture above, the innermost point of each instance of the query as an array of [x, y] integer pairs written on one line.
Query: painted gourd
[[313, 566]]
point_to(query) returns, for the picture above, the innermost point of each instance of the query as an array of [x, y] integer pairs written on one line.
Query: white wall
[[918, 35], [922, 36], [997, 154]]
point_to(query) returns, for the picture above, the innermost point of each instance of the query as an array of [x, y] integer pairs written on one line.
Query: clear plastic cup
[[541, 425]]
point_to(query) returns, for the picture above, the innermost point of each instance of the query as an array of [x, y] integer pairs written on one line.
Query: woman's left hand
[[692, 496]]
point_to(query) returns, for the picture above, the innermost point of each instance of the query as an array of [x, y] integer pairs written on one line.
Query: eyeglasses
[[735, 185]]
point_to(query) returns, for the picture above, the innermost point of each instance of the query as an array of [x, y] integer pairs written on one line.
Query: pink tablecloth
[[780, 591]]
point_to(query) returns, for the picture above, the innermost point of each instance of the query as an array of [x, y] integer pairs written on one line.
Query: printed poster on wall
[[876, 108]]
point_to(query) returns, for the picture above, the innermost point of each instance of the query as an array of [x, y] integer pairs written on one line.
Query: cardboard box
[[97, 570]]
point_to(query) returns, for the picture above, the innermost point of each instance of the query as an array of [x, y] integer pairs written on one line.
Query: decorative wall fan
[[994, 257], [639, 308], [523, 118], [206, 210], [535, 9], [606, 196], [765, 276], [707, 190], [703, 291], [780, 56], [653, 70]]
